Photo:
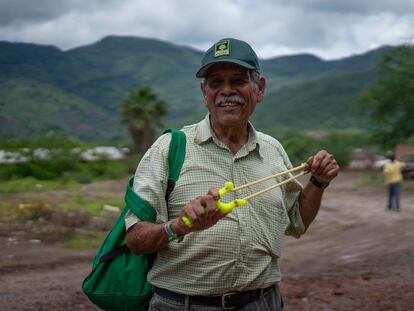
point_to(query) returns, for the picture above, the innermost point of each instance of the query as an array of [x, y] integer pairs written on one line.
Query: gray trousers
[[269, 301]]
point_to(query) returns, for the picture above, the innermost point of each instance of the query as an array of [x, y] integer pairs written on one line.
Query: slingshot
[[226, 208]]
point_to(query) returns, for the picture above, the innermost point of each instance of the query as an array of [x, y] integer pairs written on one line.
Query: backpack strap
[[176, 158]]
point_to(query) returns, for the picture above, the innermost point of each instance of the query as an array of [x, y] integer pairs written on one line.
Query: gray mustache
[[221, 99]]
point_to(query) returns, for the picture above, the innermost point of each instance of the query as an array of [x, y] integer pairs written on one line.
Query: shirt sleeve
[[150, 180], [292, 192], [296, 227]]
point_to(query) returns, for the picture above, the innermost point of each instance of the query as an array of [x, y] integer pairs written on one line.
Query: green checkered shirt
[[241, 251]]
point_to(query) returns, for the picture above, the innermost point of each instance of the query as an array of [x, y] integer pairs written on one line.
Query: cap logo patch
[[222, 48]]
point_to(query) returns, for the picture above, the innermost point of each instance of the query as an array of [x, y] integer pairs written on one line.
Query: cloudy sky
[[328, 28]]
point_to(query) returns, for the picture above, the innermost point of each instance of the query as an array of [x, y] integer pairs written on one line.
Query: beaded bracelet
[[171, 234]]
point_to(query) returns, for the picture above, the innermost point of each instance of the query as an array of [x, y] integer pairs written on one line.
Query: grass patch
[[372, 180], [81, 243], [7, 208], [32, 184], [93, 207], [408, 185], [66, 168], [91, 240], [69, 199], [376, 180]]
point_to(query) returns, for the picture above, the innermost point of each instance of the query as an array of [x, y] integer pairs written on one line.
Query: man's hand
[[201, 211], [323, 166]]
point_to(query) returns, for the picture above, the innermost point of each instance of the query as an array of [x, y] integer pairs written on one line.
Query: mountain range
[[78, 92]]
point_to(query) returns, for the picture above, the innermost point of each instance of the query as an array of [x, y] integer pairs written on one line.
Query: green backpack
[[118, 280]]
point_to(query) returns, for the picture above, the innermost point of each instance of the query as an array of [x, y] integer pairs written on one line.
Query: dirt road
[[355, 256]]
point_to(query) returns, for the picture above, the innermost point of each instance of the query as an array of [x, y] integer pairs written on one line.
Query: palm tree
[[142, 112]]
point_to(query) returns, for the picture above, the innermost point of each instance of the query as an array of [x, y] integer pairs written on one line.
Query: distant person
[[392, 179], [226, 261]]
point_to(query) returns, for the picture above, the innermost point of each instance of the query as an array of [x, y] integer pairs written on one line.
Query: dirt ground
[[355, 256]]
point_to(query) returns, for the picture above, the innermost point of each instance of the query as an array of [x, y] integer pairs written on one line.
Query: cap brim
[[201, 73]]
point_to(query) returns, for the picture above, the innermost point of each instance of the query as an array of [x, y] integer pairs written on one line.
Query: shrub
[[340, 144]]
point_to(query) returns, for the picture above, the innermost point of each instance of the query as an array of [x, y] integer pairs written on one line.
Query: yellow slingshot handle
[[225, 208]]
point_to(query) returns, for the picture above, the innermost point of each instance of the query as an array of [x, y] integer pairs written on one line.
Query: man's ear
[[203, 91], [261, 89]]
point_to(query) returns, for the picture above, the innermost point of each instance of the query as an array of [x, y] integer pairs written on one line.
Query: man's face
[[231, 95]]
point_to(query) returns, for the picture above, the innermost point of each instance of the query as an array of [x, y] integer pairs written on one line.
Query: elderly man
[[225, 261]]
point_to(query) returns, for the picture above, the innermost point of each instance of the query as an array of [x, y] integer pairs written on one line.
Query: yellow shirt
[[392, 172]]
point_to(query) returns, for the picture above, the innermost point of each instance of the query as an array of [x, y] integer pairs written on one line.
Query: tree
[[390, 100], [142, 112]]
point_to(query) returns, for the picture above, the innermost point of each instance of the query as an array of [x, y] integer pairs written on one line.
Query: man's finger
[[189, 212], [204, 205], [317, 165], [323, 164], [214, 193], [209, 204]]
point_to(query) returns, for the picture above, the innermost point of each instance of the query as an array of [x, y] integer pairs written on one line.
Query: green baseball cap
[[229, 50]]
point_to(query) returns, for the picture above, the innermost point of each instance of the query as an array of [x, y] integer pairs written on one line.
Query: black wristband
[[317, 183]]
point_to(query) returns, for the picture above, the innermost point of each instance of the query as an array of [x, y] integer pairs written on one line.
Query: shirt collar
[[205, 132]]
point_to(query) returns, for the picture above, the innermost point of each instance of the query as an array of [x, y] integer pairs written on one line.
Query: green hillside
[[326, 102], [127, 62], [30, 107], [78, 92]]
